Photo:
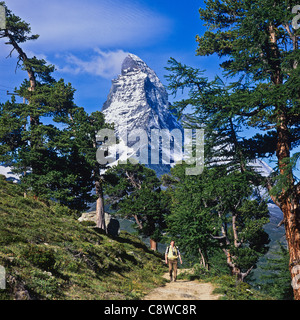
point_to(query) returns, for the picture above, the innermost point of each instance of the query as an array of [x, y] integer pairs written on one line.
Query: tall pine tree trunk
[[100, 214], [233, 266], [203, 259], [289, 197], [291, 212], [289, 204]]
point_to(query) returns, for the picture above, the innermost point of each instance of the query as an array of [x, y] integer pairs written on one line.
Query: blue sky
[[88, 40]]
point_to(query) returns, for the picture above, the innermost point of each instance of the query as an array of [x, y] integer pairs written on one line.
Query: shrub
[[40, 256]]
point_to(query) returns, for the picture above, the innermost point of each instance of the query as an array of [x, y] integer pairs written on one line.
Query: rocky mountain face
[[138, 100]]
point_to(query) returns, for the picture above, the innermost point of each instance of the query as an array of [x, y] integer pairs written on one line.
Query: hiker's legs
[[175, 270], [170, 269]]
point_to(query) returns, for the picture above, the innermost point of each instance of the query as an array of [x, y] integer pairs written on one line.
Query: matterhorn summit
[[138, 99]]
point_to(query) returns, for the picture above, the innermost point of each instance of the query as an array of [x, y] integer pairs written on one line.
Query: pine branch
[[245, 274], [22, 57], [280, 223], [252, 113]]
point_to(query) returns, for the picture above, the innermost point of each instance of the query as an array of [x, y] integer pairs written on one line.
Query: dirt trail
[[183, 290]]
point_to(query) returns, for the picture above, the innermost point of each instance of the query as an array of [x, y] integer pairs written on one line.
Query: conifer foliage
[[47, 139], [135, 191], [218, 212], [259, 52]]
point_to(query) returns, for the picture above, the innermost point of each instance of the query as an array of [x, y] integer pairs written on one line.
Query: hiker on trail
[[171, 256]]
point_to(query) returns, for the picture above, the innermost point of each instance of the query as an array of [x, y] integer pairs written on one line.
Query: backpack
[[172, 254]]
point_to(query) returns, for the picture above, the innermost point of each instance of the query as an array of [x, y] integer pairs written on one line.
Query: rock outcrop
[[112, 224]]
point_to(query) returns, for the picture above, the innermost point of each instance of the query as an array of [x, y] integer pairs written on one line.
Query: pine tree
[[276, 282], [134, 191], [190, 221], [259, 52], [58, 160], [82, 130], [217, 209]]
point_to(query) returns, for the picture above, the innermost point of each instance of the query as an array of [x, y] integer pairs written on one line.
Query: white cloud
[[77, 25], [104, 64], [70, 30]]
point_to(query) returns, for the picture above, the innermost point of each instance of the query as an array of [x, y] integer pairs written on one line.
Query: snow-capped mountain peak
[[138, 99]]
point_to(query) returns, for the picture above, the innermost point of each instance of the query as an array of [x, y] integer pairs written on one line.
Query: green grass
[[48, 254]]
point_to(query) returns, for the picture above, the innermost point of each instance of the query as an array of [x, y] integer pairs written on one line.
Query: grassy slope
[[48, 254]]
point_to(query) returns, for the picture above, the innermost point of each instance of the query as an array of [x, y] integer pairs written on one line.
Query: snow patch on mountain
[[138, 100], [261, 167]]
